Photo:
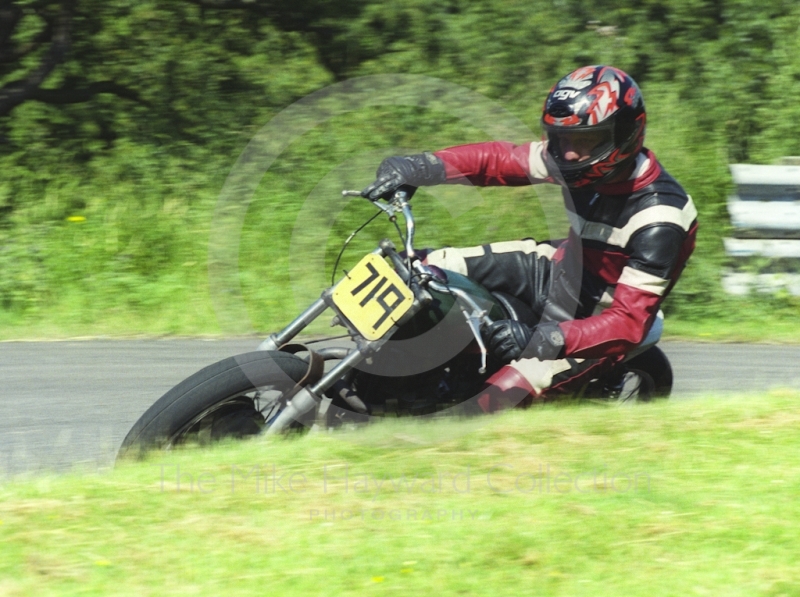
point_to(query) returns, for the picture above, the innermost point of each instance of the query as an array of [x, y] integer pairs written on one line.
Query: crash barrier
[[764, 250]]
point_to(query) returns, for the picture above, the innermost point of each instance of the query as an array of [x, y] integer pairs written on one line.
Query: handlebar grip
[[408, 190]]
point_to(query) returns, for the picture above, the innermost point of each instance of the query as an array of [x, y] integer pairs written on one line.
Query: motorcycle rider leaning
[[597, 292]]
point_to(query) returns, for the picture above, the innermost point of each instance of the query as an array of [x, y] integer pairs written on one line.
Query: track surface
[[71, 403]]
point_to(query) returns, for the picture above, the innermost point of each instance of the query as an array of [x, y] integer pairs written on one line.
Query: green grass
[[121, 246], [770, 330], [174, 322], [709, 508]]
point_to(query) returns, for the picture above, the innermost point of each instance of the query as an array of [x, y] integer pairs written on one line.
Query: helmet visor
[[572, 146]]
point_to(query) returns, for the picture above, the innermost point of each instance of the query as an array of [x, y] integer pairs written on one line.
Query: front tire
[[222, 400]]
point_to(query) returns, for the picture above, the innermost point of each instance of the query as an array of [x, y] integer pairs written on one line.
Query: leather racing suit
[[628, 243]]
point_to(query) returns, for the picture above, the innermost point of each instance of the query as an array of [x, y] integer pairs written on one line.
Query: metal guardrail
[[764, 252]]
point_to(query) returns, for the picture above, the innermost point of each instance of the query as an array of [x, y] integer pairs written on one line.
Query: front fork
[[275, 341], [309, 397]]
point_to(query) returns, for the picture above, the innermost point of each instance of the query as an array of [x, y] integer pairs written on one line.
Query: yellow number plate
[[373, 297]]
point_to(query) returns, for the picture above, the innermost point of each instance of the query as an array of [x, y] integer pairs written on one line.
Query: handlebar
[[398, 203], [475, 315]]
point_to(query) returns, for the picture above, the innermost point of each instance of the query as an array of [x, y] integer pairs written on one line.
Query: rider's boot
[[507, 389]]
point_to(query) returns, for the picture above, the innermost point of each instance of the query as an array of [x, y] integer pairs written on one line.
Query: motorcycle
[[413, 348]]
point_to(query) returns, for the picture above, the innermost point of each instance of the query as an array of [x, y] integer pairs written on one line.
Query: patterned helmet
[[601, 109]]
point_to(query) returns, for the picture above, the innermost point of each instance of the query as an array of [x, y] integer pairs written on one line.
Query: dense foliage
[[120, 122]]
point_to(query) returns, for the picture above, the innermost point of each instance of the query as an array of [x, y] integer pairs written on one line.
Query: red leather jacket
[[628, 242]]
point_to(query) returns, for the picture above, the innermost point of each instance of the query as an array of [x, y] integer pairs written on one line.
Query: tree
[[35, 38]]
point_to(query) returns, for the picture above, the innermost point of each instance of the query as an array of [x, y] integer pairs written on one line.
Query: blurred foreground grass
[[694, 497]]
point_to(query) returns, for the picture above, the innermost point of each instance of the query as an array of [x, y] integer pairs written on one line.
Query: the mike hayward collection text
[[505, 478]]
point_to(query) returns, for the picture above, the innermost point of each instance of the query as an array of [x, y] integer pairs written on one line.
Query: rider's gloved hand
[[421, 169], [511, 340]]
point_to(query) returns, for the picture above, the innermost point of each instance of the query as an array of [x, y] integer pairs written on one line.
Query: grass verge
[[694, 497]]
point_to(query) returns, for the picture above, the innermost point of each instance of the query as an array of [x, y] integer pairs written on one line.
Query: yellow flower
[[76, 219]]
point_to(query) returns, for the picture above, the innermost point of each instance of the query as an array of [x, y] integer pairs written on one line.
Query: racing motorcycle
[[413, 347]]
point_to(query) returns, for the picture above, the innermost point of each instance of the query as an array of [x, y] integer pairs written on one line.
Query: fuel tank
[[444, 310], [435, 335]]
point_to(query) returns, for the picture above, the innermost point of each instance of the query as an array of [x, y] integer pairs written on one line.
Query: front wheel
[[234, 397]]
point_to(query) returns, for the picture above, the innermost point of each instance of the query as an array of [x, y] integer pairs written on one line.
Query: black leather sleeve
[[656, 249]]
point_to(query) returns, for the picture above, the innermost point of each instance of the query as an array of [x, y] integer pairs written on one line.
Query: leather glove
[[511, 340], [421, 169]]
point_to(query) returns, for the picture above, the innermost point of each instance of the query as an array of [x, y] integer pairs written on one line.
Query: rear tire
[[222, 400], [644, 378], [655, 364]]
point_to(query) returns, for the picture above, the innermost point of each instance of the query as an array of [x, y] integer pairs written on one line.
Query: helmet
[[601, 109]]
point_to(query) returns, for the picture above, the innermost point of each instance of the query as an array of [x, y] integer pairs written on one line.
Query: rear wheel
[[654, 365], [232, 398], [644, 378]]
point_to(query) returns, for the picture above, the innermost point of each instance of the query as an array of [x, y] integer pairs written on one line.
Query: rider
[[596, 293]]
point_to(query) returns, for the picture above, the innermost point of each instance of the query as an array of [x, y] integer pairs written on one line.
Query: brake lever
[[475, 316], [474, 321]]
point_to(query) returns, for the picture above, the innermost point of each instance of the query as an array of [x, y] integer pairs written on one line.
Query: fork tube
[[339, 371], [309, 397], [303, 320]]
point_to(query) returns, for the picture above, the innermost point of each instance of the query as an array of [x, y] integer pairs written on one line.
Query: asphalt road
[[66, 404]]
